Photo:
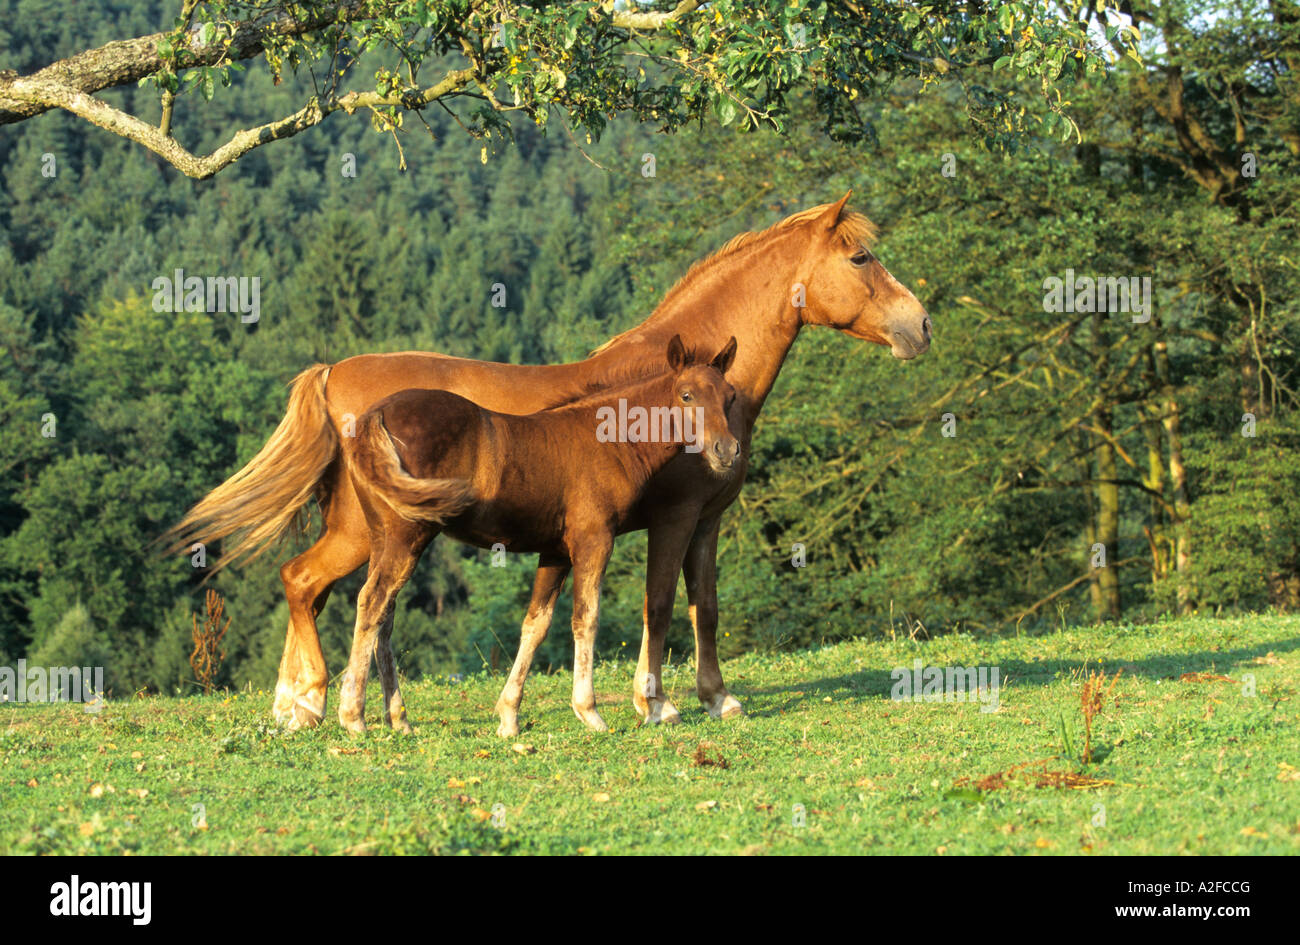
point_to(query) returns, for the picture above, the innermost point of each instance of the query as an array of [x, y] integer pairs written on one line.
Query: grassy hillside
[[1181, 764]]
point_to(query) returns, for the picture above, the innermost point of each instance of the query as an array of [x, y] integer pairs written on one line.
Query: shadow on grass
[[868, 683]]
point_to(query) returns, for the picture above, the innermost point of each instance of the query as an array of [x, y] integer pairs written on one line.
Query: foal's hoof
[[357, 726], [508, 712], [661, 712], [725, 707], [592, 719], [396, 720]]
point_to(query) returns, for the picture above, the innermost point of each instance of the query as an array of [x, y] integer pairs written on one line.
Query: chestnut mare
[[429, 461], [812, 268]]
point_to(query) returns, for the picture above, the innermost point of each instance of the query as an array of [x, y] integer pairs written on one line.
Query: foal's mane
[[639, 372], [852, 229]]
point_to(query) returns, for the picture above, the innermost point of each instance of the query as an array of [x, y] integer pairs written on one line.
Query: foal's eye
[[686, 396], [860, 258]]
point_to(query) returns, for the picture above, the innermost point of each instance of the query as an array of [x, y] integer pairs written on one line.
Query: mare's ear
[[831, 217], [724, 358], [676, 354]]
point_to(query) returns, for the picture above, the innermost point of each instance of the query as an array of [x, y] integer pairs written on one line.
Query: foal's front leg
[[701, 571], [666, 541], [551, 573], [590, 557]]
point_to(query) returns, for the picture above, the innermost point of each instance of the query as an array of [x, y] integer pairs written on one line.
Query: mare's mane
[[852, 228]]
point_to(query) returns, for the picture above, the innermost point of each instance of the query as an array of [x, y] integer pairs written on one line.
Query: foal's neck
[[641, 459]]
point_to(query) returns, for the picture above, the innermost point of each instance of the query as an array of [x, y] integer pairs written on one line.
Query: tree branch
[[625, 19], [52, 95], [123, 62]]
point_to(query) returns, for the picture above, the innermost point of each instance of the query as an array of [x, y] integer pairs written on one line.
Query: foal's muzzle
[[725, 452]]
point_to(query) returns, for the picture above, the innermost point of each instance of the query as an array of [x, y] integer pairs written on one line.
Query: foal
[[552, 482]]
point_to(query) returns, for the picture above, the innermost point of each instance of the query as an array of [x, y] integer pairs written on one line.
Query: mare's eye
[[686, 396], [860, 258]]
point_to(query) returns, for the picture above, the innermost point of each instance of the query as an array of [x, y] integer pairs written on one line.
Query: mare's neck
[[746, 294]]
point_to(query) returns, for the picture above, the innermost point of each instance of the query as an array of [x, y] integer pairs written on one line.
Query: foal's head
[[848, 288], [706, 399]]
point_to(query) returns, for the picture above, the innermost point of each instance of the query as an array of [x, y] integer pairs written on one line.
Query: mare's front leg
[[666, 540], [342, 547], [551, 572], [390, 567], [590, 555], [701, 569]]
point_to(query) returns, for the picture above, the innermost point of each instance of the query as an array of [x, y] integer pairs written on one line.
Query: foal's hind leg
[[551, 573], [394, 708], [390, 567], [590, 557]]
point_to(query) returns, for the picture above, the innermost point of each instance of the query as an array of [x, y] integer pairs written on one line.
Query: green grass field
[[1180, 766]]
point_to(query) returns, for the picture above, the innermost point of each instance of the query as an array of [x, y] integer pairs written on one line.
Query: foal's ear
[[676, 354], [831, 218], [724, 358]]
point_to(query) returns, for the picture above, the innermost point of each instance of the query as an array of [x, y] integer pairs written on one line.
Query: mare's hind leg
[[342, 547], [551, 573], [390, 567], [590, 556], [394, 708]]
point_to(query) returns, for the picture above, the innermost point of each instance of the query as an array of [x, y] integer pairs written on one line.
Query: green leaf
[[726, 110]]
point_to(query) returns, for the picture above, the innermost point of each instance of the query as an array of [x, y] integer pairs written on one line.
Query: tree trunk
[[1090, 520], [1177, 478], [1108, 518], [1154, 480]]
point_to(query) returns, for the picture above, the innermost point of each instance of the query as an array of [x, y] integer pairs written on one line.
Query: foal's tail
[[374, 461], [263, 499]]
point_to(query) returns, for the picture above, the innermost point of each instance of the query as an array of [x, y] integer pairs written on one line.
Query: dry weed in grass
[[703, 759], [1205, 677], [208, 655], [1094, 696], [1036, 773]]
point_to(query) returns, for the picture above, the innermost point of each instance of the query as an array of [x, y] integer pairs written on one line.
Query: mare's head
[[704, 395], [849, 290]]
